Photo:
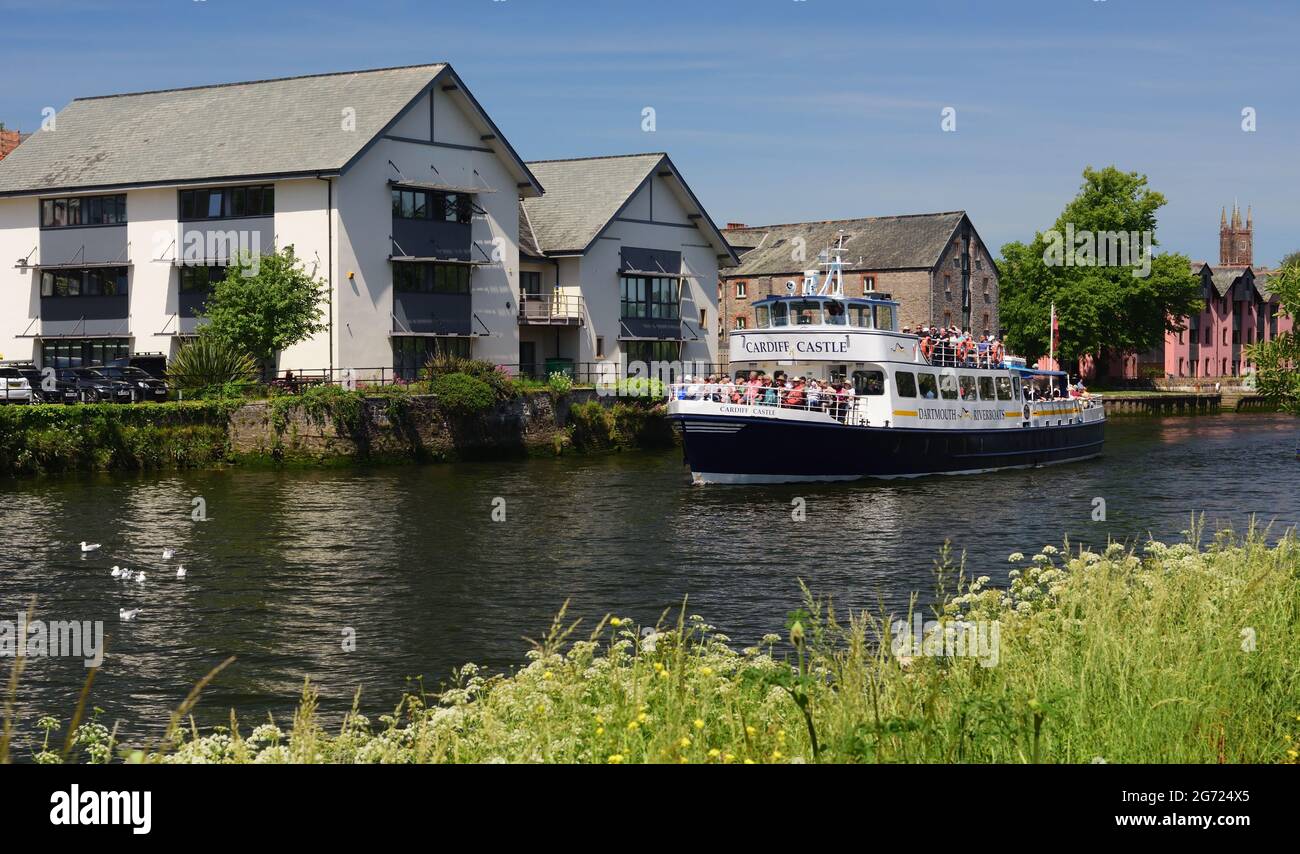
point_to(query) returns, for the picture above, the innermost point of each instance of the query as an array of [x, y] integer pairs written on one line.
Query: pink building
[[1239, 310]]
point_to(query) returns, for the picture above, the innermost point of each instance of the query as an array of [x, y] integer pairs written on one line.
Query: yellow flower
[[548, 675], [776, 756], [684, 743], [600, 730], [749, 761], [699, 724], [750, 731], [780, 735], [663, 674], [728, 757], [659, 667], [615, 621], [706, 671], [683, 761], [641, 717], [715, 753], [616, 759], [600, 719], [633, 726]]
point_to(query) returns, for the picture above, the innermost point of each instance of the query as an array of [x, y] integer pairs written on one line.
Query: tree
[[265, 305], [1291, 258], [1098, 265], [1277, 362]]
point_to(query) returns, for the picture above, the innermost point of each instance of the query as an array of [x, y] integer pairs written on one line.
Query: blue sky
[[779, 110]]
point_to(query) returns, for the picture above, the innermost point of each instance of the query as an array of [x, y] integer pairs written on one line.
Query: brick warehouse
[[916, 258]]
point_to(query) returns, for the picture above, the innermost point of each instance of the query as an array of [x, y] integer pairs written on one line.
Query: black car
[[47, 387], [144, 386], [94, 387]]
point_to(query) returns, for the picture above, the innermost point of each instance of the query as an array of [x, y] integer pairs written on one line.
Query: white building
[[393, 186], [619, 265]]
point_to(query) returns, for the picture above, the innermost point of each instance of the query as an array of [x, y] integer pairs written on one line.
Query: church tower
[[1236, 241]]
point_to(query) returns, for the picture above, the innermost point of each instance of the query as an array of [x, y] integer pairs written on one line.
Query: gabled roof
[[585, 194], [1225, 277], [913, 241], [263, 128]]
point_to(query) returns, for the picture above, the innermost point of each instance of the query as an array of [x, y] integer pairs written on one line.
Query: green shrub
[[496, 378], [460, 394], [208, 363], [592, 426], [560, 382]]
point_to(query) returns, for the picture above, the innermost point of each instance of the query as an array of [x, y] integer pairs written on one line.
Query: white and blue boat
[[911, 413]]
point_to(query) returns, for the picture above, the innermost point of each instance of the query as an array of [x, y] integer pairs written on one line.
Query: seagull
[[169, 553], [180, 571], [139, 576], [88, 547], [126, 616], [117, 571]]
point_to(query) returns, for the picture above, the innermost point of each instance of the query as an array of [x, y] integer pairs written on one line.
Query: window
[[779, 312], [885, 318], [987, 327], [805, 313], [199, 280], [868, 284], [929, 386], [651, 296], [1015, 387], [947, 319], [530, 282], [947, 285], [95, 282], [227, 202], [967, 383], [905, 381], [1004, 388], [63, 354], [432, 205], [762, 317], [1225, 337], [704, 318], [979, 265], [740, 322], [87, 210], [740, 290], [600, 347], [956, 262], [986, 388], [649, 352], [948, 385], [411, 354], [869, 382], [431, 278]]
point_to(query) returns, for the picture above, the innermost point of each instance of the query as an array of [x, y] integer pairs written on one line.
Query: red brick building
[[9, 140], [925, 261]]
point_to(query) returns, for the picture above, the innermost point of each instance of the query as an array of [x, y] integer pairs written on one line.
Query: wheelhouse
[[782, 312]]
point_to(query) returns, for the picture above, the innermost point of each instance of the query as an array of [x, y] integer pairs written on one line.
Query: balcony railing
[[553, 309]]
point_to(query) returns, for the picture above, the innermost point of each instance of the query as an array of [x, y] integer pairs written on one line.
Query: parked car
[[14, 387], [144, 386], [48, 388], [94, 387], [154, 364]]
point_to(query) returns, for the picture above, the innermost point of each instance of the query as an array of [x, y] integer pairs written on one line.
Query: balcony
[[553, 309]]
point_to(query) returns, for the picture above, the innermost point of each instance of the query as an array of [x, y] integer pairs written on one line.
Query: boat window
[[1015, 388], [905, 381], [835, 313], [948, 385], [967, 387], [1004, 388], [762, 316], [860, 315], [986, 389], [929, 386], [805, 313], [779, 310], [869, 382], [885, 317]]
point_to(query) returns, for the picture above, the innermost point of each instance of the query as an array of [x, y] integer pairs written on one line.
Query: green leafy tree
[[1277, 362], [265, 305], [1100, 306]]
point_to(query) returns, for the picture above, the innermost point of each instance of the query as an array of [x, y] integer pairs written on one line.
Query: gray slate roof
[[582, 196], [1224, 277], [268, 127], [914, 241]]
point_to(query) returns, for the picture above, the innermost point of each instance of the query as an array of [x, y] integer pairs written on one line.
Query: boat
[[912, 412]]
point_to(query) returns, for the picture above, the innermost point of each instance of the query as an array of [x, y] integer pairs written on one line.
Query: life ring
[[1027, 416]]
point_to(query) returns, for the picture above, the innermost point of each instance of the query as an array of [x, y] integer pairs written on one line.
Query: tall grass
[[1171, 654]]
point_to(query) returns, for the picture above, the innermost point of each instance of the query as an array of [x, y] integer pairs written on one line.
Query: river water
[[411, 561]]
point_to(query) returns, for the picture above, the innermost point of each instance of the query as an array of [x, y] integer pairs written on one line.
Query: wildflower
[[633, 726], [1015, 557], [796, 633], [1049, 550], [616, 759], [615, 621], [706, 671], [684, 743], [659, 667], [641, 716], [699, 724], [600, 730], [600, 719], [776, 756], [714, 753], [750, 731], [728, 757], [749, 761], [548, 675]]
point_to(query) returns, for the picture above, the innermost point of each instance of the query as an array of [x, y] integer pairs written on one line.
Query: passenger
[[814, 395], [848, 393], [794, 398], [996, 353], [693, 388], [771, 396]]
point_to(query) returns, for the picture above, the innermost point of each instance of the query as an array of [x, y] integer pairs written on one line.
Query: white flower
[[1015, 557]]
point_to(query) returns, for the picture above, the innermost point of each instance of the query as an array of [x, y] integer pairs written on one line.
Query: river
[[411, 561]]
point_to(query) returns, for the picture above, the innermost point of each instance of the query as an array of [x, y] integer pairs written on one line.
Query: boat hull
[[738, 450]]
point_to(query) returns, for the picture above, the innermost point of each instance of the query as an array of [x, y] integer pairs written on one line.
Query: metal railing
[[556, 307], [845, 406]]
